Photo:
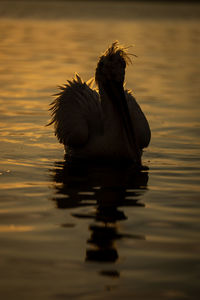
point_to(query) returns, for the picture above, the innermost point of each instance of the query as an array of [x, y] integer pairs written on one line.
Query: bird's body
[[105, 124]]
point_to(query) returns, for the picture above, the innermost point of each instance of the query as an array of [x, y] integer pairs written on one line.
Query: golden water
[[99, 232]]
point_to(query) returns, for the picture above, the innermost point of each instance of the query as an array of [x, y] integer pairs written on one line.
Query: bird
[[105, 122]]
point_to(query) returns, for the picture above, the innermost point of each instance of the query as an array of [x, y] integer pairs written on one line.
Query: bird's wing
[[76, 113], [139, 121]]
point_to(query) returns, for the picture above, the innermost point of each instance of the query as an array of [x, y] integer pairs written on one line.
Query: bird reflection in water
[[108, 188]]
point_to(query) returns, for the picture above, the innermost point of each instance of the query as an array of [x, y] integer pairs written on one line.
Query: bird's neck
[[106, 103], [111, 116], [117, 117]]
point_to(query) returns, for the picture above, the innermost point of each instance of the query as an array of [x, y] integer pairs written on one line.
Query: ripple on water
[[99, 232]]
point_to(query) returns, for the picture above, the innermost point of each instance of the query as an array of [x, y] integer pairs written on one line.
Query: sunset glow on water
[[99, 232]]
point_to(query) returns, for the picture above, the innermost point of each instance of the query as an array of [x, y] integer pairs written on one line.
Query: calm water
[[99, 232]]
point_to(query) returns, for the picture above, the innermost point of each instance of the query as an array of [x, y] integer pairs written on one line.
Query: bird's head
[[111, 65]]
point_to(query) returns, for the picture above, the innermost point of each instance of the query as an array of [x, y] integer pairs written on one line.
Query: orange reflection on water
[[15, 228]]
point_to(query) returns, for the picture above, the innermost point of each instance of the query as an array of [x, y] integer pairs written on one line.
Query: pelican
[[103, 123]]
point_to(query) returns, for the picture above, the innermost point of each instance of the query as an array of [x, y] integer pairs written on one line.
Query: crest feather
[[116, 48]]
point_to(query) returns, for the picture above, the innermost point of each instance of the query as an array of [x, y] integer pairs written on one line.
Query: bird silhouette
[[102, 123]]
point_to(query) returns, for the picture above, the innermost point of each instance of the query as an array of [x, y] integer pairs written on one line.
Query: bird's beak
[[118, 98]]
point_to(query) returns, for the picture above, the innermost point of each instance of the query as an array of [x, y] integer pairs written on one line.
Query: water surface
[[84, 231]]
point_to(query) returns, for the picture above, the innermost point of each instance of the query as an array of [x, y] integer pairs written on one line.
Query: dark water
[[79, 231]]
